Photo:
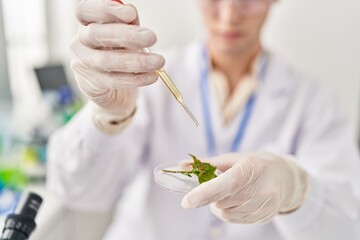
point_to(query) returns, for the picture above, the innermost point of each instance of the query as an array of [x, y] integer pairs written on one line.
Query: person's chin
[[231, 47]]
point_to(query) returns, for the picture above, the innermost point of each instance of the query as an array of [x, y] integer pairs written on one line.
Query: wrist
[[298, 187], [111, 123]]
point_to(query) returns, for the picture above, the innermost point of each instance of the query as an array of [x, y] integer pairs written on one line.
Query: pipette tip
[[191, 115]]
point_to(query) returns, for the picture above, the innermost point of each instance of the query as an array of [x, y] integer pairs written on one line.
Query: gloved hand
[[107, 59], [253, 187]]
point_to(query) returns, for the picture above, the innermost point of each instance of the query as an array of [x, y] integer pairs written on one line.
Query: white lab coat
[[292, 115]]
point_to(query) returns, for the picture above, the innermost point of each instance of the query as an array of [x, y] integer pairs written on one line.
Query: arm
[[87, 168], [327, 151], [92, 157], [312, 195]]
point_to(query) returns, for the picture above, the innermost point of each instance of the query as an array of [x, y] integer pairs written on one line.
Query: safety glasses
[[247, 6]]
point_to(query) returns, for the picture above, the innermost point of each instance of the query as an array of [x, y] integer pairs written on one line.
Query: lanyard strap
[[205, 97]]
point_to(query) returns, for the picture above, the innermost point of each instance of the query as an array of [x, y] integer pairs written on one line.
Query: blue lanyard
[[205, 97]]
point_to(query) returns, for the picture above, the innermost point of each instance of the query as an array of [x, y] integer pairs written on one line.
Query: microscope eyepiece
[[31, 206], [21, 224]]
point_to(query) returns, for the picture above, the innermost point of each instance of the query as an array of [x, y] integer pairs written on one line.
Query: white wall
[[175, 22], [61, 27], [26, 47], [4, 77], [320, 37]]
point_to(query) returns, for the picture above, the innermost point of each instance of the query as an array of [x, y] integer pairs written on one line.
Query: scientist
[[290, 165]]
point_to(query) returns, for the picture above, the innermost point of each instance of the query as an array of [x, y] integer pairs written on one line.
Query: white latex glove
[[107, 59], [253, 187]]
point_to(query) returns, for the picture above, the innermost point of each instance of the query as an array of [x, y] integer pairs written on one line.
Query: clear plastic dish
[[175, 182]]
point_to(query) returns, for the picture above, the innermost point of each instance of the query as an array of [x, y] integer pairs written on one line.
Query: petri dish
[[174, 182]]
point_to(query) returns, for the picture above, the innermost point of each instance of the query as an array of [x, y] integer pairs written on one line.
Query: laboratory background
[[38, 93]]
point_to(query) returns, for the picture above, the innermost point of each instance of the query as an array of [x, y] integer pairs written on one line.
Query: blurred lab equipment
[[58, 92], [51, 77], [21, 224], [23, 157]]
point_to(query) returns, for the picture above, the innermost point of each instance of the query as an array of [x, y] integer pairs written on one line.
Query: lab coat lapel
[[273, 97]]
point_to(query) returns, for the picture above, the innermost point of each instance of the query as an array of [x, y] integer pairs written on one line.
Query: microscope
[[20, 224]]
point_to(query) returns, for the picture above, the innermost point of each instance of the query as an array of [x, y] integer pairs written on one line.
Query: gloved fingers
[[120, 102], [126, 61], [237, 199], [105, 11], [114, 80], [92, 90], [259, 210], [247, 176], [262, 218], [228, 216], [255, 186], [115, 60], [219, 213], [116, 101], [116, 35], [215, 190], [253, 211], [128, 80], [248, 208]]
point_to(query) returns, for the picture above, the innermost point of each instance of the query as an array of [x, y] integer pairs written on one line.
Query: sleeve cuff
[[92, 137], [308, 211], [109, 123]]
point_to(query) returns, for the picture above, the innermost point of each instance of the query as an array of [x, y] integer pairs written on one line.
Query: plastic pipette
[[171, 86], [174, 90]]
